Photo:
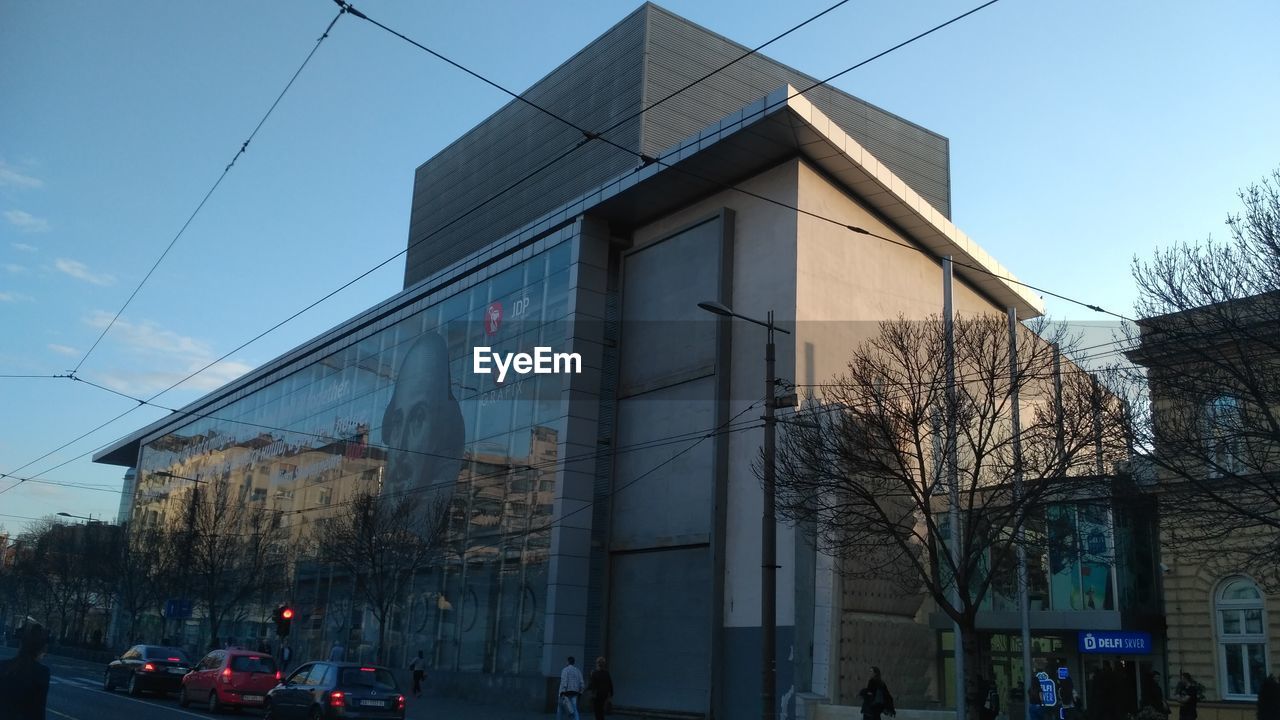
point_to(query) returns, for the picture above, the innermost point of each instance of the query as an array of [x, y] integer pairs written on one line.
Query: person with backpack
[[1189, 693], [876, 698]]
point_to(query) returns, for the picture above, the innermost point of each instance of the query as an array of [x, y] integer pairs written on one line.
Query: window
[[1242, 639], [253, 664], [1223, 428]]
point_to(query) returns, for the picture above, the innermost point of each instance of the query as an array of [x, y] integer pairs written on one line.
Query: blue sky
[[1082, 133]]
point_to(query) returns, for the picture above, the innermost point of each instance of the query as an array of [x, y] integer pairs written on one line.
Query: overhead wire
[[588, 136], [345, 7], [244, 147]]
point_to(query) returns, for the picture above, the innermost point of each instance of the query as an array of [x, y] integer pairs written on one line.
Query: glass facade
[[395, 408], [1084, 556]]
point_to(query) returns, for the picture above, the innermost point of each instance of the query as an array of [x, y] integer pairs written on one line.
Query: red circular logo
[[493, 318]]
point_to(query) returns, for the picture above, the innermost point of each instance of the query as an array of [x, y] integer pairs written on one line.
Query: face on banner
[[422, 427]]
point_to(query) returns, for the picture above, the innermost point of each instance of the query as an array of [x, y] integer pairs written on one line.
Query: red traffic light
[[287, 613]]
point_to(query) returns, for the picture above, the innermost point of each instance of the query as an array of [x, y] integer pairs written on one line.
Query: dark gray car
[[331, 690], [153, 668]]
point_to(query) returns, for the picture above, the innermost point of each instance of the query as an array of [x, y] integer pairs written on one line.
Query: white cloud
[[24, 247], [10, 177], [16, 269], [81, 271], [150, 344], [25, 221], [15, 297], [63, 349]]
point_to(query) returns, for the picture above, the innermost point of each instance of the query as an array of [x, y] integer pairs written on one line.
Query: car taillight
[[175, 659], [399, 702], [226, 674], [279, 676], [337, 699], [149, 667], [366, 669]]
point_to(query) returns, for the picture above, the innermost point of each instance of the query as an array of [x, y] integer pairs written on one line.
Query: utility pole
[[953, 475], [1024, 601], [768, 522], [769, 540]]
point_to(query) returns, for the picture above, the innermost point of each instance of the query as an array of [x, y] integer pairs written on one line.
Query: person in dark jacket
[[601, 687], [1189, 693], [876, 698], [1269, 699], [24, 682], [1152, 694]]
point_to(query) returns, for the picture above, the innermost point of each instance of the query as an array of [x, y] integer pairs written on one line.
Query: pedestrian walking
[[991, 700], [1269, 699], [337, 653], [876, 698], [419, 669], [571, 685], [1152, 694], [601, 687], [1189, 693], [24, 681]]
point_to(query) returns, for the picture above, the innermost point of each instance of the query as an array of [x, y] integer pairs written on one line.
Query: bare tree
[[379, 545], [136, 563], [866, 462], [1209, 343], [230, 546]]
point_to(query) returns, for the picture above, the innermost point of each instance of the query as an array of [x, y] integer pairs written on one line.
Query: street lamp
[[167, 474], [768, 522], [78, 517]]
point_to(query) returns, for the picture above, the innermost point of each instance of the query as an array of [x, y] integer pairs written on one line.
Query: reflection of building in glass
[[615, 511]]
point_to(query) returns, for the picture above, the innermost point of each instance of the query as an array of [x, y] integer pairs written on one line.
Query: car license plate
[[373, 703], [178, 671], [252, 698]]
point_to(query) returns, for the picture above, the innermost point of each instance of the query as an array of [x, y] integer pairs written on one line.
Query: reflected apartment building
[[612, 511]]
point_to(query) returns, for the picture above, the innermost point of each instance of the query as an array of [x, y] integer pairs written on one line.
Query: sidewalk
[[434, 707]]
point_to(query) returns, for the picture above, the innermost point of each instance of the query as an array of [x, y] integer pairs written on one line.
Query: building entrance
[[1113, 686]]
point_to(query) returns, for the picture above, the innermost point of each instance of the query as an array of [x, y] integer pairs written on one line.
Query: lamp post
[[78, 517], [768, 522]]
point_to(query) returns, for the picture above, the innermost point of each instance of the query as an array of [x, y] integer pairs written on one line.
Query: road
[[75, 693]]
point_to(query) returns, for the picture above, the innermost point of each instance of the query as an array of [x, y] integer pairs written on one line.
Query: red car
[[230, 679]]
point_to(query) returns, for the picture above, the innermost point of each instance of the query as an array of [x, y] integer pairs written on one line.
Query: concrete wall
[[1192, 627], [644, 58]]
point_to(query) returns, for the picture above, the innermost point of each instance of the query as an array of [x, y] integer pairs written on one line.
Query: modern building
[[609, 509], [1212, 378]]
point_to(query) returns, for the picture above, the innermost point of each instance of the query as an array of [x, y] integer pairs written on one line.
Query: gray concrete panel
[[659, 656]]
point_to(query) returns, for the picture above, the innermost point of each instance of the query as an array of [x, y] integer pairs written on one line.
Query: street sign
[[177, 608], [1048, 690], [1116, 642]]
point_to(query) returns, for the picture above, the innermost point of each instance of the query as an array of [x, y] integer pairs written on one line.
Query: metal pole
[[769, 543], [953, 476], [1024, 601]]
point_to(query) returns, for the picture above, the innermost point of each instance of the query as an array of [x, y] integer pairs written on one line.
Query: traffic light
[[283, 617]]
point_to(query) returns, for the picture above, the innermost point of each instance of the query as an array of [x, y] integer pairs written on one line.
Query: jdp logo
[[493, 318]]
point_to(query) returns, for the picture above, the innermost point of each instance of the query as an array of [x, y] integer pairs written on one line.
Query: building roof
[[775, 128], [648, 82]]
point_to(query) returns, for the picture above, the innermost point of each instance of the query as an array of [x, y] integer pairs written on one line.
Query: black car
[[337, 690], [154, 668]]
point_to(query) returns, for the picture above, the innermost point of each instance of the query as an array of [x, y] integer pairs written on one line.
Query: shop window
[[1242, 639]]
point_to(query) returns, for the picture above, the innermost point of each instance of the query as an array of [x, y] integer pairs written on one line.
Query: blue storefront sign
[[1116, 642], [1048, 690]]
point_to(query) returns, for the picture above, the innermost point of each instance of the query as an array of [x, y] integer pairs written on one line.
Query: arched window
[[1242, 638]]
